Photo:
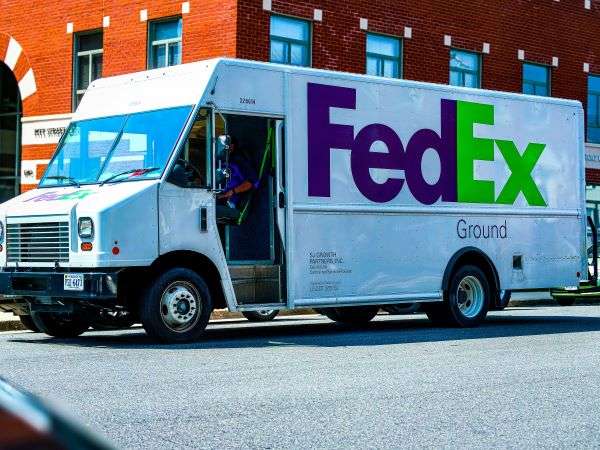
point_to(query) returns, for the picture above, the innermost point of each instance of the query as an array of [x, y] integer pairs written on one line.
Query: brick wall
[[542, 28]]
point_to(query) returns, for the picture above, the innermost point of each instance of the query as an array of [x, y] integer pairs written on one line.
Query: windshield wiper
[[141, 171], [71, 180]]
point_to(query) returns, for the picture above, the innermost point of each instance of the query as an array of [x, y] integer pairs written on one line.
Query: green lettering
[[520, 179], [470, 149]]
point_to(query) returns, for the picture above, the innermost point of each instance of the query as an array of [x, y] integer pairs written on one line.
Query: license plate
[[571, 288], [73, 282]]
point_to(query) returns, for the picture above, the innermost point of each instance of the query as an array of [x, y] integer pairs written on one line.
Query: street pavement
[[528, 378]]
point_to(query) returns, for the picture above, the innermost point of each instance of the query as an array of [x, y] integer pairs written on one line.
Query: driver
[[241, 181]]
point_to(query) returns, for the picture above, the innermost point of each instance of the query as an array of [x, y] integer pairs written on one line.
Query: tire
[[351, 315], [264, 315], [503, 299], [176, 306], [401, 308], [60, 325], [28, 323], [467, 300], [566, 301]]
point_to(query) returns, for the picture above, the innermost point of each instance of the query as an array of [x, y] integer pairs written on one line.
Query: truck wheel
[[569, 301], [264, 315], [28, 323], [351, 315], [60, 325], [177, 306], [466, 301]]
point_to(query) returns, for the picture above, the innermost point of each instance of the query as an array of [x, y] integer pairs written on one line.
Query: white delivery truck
[[365, 192]]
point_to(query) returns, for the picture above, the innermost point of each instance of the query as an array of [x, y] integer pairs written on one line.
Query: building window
[[164, 47], [465, 68], [593, 109], [88, 63], [536, 79], [290, 41], [384, 56]]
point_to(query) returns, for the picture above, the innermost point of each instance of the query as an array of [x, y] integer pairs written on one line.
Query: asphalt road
[[528, 378]]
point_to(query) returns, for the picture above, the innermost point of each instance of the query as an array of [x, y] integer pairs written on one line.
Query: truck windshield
[[97, 149]]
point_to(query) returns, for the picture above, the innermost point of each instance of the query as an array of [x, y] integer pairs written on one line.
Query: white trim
[[555, 61], [185, 8], [587, 4], [364, 23], [362, 299], [447, 40], [47, 117], [308, 208], [521, 55], [318, 15], [27, 85], [31, 164], [12, 53], [69, 27], [106, 21], [486, 48], [407, 32], [267, 5], [586, 67], [143, 15]]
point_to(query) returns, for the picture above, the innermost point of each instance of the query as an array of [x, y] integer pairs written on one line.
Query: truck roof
[[185, 84]]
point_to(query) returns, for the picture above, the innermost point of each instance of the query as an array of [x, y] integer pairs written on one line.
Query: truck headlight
[[1, 232], [85, 228]]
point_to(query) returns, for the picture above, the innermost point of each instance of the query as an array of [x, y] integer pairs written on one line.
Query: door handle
[[203, 219], [281, 200]]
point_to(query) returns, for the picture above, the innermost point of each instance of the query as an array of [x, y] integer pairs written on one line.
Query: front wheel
[[466, 302], [263, 315], [60, 325], [177, 306]]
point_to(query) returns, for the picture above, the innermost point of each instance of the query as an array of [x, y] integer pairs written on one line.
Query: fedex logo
[[456, 146]]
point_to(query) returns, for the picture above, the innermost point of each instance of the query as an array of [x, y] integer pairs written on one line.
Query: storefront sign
[[592, 156], [44, 130]]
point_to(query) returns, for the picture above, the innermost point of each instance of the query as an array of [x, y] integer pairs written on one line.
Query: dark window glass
[[384, 56], [593, 109], [87, 63]]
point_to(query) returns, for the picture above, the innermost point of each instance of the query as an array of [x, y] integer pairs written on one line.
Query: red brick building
[[50, 50]]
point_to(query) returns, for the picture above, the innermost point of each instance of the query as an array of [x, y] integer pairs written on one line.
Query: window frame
[[379, 56], [165, 42], [536, 83], [75, 92], [309, 41], [462, 72], [597, 95]]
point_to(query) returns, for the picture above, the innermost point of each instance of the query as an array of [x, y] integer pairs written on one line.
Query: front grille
[[46, 242]]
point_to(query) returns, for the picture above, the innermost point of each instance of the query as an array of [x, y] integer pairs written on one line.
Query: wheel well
[[474, 256], [200, 264]]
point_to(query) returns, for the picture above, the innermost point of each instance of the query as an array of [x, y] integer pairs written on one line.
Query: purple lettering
[[363, 159], [323, 135]]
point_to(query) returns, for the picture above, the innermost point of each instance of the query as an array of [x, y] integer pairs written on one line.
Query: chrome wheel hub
[[180, 306], [470, 296]]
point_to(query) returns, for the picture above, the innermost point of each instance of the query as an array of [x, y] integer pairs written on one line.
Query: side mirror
[[223, 143]]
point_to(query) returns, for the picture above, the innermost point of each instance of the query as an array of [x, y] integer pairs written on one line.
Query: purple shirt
[[240, 172]]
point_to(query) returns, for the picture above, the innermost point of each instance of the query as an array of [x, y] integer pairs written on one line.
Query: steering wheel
[[188, 165]]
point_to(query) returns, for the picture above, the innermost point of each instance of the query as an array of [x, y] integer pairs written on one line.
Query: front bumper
[[96, 285]]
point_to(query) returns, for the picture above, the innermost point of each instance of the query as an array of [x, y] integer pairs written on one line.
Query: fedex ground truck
[[365, 192]]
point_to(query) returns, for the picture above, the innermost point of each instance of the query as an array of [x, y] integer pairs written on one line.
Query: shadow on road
[[307, 333]]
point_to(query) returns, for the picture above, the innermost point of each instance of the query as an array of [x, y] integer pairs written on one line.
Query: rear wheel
[[263, 315], [28, 323], [60, 325], [466, 302], [177, 306], [351, 315]]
